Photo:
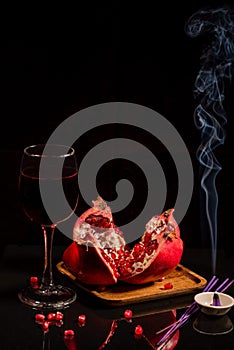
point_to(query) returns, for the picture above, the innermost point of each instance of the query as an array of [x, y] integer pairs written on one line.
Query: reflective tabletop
[[105, 326]]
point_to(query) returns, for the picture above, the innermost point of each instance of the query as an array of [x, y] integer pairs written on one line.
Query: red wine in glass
[[30, 196], [48, 169]]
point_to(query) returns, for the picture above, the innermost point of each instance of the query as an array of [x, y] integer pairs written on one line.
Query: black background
[[55, 62]]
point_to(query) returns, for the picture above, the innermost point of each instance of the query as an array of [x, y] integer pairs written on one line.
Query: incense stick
[[222, 285], [227, 286]]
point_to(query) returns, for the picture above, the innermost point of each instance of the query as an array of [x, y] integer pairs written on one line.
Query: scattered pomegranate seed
[[33, 279], [128, 314], [59, 316], [168, 285], [45, 326], [51, 319], [138, 330], [34, 282], [39, 318], [51, 316], [69, 333], [81, 319]]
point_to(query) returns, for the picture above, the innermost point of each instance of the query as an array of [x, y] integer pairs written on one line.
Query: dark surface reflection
[[213, 325], [105, 326]]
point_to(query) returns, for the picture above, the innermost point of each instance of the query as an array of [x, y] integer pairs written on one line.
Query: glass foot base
[[58, 297]]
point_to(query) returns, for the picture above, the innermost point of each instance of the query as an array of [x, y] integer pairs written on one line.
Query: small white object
[[205, 300]]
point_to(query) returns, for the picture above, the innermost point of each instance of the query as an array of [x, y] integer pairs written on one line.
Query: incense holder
[[205, 302]]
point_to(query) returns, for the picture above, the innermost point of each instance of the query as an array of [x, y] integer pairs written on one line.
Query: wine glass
[[44, 169]]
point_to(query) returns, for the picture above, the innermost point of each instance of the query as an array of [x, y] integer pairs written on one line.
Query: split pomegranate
[[99, 254]]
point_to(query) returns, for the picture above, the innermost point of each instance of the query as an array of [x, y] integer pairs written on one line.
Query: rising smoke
[[209, 115]]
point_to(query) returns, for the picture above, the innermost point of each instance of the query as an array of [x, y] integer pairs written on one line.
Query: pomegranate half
[[99, 254]]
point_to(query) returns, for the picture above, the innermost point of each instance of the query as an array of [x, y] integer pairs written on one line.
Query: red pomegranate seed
[[45, 326], [138, 330], [59, 316], [34, 282], [51, 316], [81, 319], [69, 333], [128, 314], [168, 285], [33, 279], [39, 318]]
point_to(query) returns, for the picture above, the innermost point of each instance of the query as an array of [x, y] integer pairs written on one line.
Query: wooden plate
[[183, 280]]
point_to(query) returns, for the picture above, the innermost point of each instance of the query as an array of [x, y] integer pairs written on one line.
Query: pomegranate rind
[[169, 257], [71, 258], [88, 265]]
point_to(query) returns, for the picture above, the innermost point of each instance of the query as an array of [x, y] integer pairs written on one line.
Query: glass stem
[[47, 277]]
